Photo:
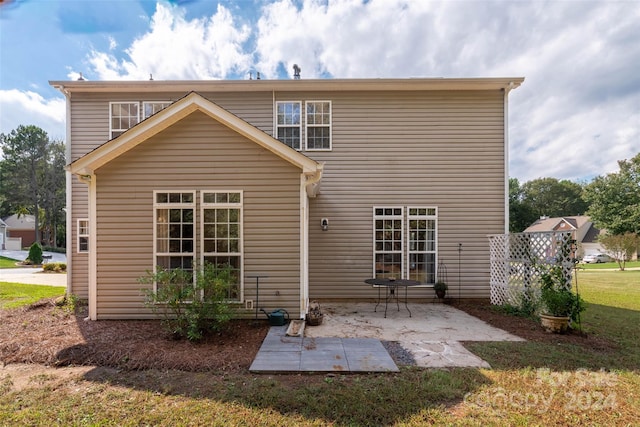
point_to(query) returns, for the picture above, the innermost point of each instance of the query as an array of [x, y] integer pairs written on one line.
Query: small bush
[[190, 307], [57, 267], [35, 254]]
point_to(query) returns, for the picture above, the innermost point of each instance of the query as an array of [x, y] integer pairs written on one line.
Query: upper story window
[[289, 123], [318, 122], [152, 107], [123, 115]]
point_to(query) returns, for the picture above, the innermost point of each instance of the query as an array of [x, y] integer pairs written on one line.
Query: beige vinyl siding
[[409, 149], [197, 154]]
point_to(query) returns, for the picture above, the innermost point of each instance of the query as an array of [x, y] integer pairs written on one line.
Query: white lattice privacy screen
[[519, 259]]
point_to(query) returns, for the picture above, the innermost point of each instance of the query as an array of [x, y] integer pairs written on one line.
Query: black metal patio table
[[391, 286]]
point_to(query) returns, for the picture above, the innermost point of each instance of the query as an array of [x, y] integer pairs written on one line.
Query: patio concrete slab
[[280, 353], [432, 334]]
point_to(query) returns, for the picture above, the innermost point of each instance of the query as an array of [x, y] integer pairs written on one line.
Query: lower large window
[[222, 235], [405, 243], [174, 229], [220, 238]]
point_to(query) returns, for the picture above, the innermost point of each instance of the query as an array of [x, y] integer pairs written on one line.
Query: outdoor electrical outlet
[[248, 304], [277, 293]]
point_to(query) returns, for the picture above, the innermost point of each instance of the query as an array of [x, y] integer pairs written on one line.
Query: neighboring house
[[23, 227], [584, 232], [317, 184]]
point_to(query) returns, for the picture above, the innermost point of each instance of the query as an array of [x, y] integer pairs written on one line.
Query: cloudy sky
[[576, 114]]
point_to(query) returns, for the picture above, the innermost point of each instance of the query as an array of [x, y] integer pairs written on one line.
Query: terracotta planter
[[557, 325]]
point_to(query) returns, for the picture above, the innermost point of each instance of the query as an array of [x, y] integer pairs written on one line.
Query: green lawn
[[7, 262], [608, 265], [531, 383], [14, 295]]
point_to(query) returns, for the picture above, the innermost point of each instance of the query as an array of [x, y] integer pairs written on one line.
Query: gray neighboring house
[[584, 232], [317, 184]]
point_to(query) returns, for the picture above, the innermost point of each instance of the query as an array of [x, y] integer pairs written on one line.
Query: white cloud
[[576, 113], [178, 48], [574, 117], [29, 108]]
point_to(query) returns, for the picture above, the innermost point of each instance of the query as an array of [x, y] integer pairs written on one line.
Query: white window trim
[[307, 126], [276, 125], [145, 103], [180, 205], [402, 240], [204, 205], [408, 249], [81, 235], [111, 130]]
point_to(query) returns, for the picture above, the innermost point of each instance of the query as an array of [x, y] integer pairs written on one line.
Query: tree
[[553, 198], [614, 199], [543, 197], [32, 177], [520, 213], [621, 246]]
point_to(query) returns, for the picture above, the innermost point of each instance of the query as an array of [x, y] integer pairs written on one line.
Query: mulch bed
[[46, 334], [49, 335]]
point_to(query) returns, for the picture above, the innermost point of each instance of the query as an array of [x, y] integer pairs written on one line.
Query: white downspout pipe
[[90, 180]]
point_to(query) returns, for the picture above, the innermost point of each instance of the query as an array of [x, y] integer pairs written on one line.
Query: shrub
[[557, 299], [189, 306], [35, 254], [57, 267]]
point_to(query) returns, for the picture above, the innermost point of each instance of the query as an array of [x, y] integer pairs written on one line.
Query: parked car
[[596, 258]]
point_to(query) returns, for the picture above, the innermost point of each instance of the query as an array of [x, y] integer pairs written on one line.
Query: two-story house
[[317, 184]]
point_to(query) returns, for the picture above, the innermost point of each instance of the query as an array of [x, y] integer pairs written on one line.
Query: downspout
[[90, 180], [304, 247]]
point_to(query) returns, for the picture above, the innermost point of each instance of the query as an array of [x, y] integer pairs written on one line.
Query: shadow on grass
[[358, 399]]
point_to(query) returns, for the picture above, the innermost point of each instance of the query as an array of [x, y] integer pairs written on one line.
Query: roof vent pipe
[[296, 72]]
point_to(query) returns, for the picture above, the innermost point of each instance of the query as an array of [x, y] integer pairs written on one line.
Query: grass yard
[[608, 265], [13, 295], [531, 383], [7, 262]]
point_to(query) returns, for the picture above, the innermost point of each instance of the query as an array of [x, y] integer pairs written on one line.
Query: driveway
[[31, 275]]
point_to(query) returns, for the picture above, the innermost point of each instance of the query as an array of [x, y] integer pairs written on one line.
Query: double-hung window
[[289, 123], [318, 121], [83, 235], [421, 250], [405, 243], [222, 235], [174, 229], [388, 242], [123, 116]]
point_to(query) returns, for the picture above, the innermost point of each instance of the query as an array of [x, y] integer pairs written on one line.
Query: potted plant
[[560, 305], [440, 288]]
